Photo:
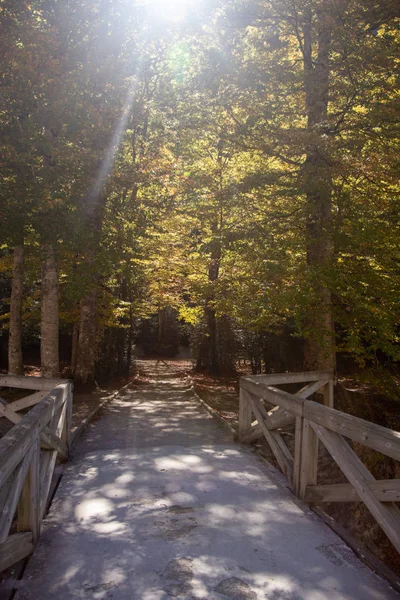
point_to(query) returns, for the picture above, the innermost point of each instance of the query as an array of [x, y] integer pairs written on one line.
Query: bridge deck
[[159, 503]]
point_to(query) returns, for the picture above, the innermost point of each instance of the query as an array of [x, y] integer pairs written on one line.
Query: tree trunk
[[15, 360], [74, 349], [208, 357], [49, 314], [130, 344], [317, 174], [87, 338]]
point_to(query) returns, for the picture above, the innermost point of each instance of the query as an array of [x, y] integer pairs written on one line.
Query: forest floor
[[354, 397]]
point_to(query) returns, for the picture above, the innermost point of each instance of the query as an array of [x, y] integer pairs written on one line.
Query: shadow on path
[[159, 503]]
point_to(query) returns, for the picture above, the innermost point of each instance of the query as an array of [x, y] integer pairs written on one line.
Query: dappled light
[[199, 213], [159, 503]]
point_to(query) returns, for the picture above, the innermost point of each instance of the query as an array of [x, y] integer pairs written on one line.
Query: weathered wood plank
[[11, 501], [8, 413], [309, 458], [384, 490], [252, 435], [48, 461], [15, 548], [47, 464], [278, 439], [282, 378], [328, 392], [311, 388], [285, 463], [244, 415], [66, 434], [30, 383], [298, 442], [386, 514], [15, 444], [49, 441], [29, 504], [281, 417], [28, 401], [369, 434], [25, 485], [276, 397]]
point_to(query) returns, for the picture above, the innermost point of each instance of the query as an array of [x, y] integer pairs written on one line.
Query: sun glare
[[170, 10]]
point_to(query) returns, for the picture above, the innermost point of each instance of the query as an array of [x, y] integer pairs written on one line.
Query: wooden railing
[[266, 409], [28, 454]]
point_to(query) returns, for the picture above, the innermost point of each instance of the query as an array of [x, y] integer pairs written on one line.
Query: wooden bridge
[[159, 502]]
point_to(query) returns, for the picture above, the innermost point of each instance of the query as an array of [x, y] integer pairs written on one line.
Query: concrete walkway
[[159, 503]]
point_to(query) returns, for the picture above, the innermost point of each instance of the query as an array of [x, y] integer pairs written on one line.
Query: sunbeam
[[112, 149]]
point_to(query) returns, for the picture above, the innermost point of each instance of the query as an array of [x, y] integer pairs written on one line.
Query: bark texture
[[49, 313], [15, 359], [74, 349], [317, 174], [208, 356], [87, 338]]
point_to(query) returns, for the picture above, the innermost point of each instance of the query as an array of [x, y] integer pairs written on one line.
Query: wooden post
[[298, 438], [28, 508], [328, 392], [244, 414], [309, 458], [67, 426]]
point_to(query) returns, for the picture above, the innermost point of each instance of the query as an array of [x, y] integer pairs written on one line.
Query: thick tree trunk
[[49, 313], [87, 338], [207, 359], [317, 173], [15, 360]]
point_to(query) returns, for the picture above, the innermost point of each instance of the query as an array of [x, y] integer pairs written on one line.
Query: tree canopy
[[232, 163]]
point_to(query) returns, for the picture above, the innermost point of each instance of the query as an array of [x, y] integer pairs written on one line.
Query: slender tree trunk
[[130, 343], [317, 173], [208, 357], [74, 349], [88, 321], [87, 349], [15, 360], [49, 313]]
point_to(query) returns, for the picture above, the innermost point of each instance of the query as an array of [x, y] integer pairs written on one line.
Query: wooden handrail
[[30, 383], [316, 422], [28, 454]]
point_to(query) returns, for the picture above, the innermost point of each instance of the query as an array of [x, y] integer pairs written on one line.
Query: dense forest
[[216, 174]]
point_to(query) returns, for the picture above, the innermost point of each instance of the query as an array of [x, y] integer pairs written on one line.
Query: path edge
[[82, 426], [214, 413], [362, 553]]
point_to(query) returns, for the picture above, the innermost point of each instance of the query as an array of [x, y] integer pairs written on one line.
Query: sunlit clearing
[[170, 10]]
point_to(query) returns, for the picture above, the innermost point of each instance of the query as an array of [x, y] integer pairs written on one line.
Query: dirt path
[[159, 503]]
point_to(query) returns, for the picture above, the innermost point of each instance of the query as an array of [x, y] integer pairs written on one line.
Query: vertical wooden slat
[[309, 458], [28, 508], [298, 437], [48, 461], [13, 495], [328, 392], [386, 513], [274, 440], [67, 426], [244, 414]]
